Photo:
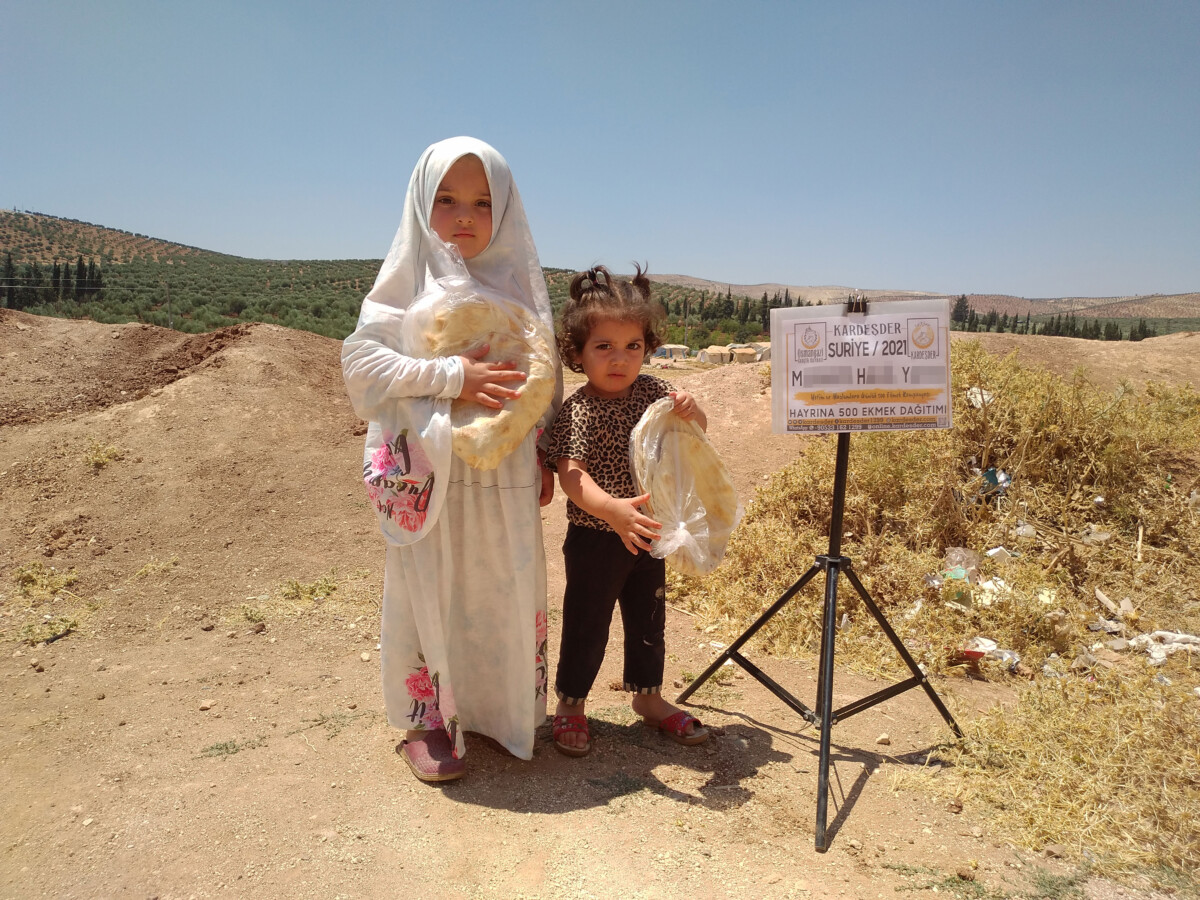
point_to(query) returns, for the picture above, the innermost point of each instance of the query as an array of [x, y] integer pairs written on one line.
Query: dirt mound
[[55, 367], [1170, 359]]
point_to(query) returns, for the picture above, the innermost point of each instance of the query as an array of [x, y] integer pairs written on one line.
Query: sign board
[[885, 370]]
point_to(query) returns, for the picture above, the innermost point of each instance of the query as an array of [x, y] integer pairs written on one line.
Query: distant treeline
[[63, 267], [964, 318]]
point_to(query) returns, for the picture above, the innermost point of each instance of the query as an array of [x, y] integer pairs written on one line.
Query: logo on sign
[[922, 338], [810, 342]]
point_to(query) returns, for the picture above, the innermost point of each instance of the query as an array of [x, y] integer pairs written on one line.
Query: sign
[[885, 370]]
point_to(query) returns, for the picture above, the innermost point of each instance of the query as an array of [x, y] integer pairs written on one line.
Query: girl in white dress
[[463, 637]]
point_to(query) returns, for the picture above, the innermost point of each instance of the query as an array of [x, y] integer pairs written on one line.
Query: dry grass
[[41, 588], [334, 594], [1094, 760]]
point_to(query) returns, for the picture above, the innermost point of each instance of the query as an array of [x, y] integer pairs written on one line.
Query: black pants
[[600, 572]]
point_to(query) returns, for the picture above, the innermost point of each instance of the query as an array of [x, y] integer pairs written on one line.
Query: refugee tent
[[715, 354], [672, 351]]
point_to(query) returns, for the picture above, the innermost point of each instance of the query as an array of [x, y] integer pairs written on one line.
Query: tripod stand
[[833, 564]]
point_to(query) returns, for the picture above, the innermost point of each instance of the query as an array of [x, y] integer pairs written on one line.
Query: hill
[[193, 290]]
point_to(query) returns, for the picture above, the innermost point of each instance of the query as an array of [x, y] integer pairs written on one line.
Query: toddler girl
[[607, 331], [464, 593]]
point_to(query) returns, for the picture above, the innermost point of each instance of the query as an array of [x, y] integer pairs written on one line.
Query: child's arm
[[688, 409], [635, 529]]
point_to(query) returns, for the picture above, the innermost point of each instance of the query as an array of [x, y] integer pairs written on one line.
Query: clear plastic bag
[[457, 316], [691, 492]]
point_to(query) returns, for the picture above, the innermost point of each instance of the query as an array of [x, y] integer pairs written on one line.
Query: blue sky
[[1031, 148]]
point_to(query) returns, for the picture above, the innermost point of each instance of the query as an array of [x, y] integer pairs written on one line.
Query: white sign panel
[[886, 370]]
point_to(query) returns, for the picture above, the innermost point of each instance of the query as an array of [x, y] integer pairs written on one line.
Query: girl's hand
[[635, 529], [483, 382], [688, 409]]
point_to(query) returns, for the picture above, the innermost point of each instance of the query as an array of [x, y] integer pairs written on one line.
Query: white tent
[[715, 354]]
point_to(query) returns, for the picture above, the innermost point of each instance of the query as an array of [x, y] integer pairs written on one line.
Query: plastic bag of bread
[[459, 316], [691, 492]]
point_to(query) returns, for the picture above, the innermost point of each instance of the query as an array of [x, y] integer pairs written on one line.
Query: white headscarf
[[508, 265], [399, 394]]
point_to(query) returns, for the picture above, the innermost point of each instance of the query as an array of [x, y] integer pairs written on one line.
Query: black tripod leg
[[825, 696], [903, 651], [749, 632]]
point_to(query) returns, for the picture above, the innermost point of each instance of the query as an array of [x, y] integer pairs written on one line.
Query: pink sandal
[[566, 724], [431, 757], [675, 727]]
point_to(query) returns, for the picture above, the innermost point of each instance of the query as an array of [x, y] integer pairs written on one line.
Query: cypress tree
[[8, 284], [80, 278]]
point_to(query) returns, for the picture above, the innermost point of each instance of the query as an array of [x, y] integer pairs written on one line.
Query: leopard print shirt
[[596, 432]]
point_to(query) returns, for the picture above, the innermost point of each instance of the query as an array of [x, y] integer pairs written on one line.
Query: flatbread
[[482, 436], [691, 491]]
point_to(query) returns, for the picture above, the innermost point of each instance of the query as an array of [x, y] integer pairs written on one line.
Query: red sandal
[[675, 727], [431, 757], [566, 724]]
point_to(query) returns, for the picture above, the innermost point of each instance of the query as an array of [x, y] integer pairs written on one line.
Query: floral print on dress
[[424, 712], [399, 480], [540, 667]]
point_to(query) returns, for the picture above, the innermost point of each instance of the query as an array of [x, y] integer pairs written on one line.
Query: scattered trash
[[1106, 625], [1025, 530], [977, 648], [1048, 596], [962, 558], [978, 397], [1011, 660], [916, 607], [995, 481], [1093, 536], [990, 588], [1162, 679], [1105, 602], [1002, 554], [956, 591], [1099, 501], [1161, 644], [1083, 661]]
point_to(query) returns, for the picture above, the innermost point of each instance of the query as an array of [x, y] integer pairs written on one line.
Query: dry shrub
[[1108, 766], [912, 495]]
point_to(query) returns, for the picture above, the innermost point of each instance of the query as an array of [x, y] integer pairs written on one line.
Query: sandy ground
[[200, 735]]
